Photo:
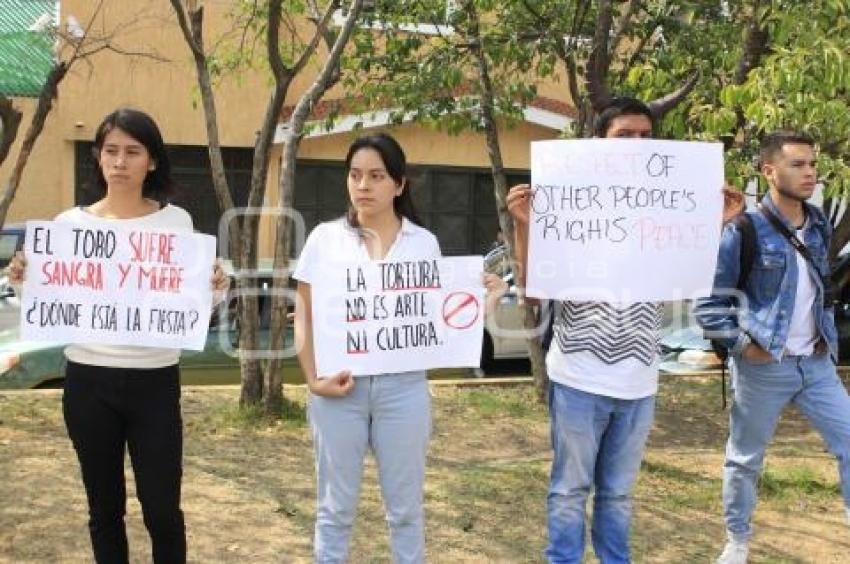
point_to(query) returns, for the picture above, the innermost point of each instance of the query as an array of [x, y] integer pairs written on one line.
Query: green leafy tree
[[780, 64]]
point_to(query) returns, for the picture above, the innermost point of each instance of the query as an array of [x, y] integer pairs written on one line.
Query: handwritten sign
[[115, 285], [379, 317], [624, 220]]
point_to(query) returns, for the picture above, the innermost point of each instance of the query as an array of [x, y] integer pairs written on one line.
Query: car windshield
[[8, 246]]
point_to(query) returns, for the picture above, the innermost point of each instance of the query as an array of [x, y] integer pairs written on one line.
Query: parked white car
[[504, 336]]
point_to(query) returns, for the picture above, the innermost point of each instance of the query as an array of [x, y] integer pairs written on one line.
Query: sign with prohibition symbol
[[460, 310], [379, 317]]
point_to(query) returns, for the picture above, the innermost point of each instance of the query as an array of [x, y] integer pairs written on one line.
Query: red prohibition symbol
[[460, 310]]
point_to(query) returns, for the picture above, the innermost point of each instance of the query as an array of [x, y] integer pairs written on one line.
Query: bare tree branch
[[192, 28], [322, 31], [87, 53], [188, 34], [273, 42], [315, 16]]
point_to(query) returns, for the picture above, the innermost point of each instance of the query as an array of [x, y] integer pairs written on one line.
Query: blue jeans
[[391, 414], [598, 441], [761, 392]]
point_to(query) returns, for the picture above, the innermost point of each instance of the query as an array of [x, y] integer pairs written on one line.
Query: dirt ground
[[249, 486]]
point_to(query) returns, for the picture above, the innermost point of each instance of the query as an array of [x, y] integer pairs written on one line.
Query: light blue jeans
[[598, 442], [761, 392], [391, 414]]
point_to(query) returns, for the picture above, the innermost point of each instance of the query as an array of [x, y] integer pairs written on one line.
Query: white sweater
[[125, 356]]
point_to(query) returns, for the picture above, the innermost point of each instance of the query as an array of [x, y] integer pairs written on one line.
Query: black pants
[[105, 409]]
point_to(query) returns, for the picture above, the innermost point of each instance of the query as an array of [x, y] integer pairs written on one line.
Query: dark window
[[456, 204]]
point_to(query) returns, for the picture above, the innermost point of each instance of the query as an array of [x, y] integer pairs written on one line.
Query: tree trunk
[[327, 76], [241, 235], [251, 392], [10, 120], [219, 176], [500, 187], [253, 381], [273, 399]]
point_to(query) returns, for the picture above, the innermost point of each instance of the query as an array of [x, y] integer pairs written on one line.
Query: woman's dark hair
[[158, 184], [396, 164]]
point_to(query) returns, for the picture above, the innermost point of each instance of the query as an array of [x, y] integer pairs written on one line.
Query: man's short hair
[[620, 106], [772, 143]]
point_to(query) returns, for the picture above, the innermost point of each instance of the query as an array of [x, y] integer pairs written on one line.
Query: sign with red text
[[624, 220], [116, 285], [397, 316]]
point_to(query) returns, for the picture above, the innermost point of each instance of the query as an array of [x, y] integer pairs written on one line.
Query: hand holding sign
[[517, 202], [16, 268], [733, 202], [336, 386]]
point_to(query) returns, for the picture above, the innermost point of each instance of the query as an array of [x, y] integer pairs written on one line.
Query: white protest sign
[[116, 285], [622, 220], [396, 316]]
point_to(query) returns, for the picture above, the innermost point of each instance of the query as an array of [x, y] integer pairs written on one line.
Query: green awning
[[26, 57]]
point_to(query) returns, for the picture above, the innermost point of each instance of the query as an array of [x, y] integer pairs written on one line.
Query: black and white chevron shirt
[[606, 348]]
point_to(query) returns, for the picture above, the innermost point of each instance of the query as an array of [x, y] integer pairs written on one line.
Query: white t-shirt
[[605, 348], [802, 333], [336, 243], [125, 356]]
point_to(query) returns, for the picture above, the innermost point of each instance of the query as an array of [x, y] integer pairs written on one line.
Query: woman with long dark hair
[[389, 413], [128, 397]]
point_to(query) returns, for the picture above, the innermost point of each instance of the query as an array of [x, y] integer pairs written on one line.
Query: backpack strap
[[800, 247], [745, 226]]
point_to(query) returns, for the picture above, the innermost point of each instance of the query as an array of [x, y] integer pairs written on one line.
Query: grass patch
[[494, 503], [293, 413], [794, 482], [250, 483], [694, 394], [225, 417], [678, 488], [490, 403]]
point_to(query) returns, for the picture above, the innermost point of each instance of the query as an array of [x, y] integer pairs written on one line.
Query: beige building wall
[[426, 146], [163, 83]]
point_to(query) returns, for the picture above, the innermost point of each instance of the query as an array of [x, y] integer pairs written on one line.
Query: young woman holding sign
[[119, 397], [389, 413]]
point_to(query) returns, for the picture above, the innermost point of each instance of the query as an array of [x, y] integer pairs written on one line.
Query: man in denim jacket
[[779, 331]]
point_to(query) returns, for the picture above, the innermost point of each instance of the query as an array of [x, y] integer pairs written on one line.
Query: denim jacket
[[764, 316]]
